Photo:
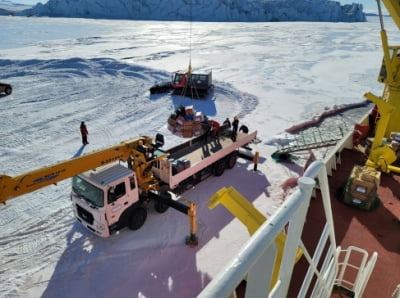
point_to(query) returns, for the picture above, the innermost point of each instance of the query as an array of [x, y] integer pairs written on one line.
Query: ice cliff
[[203, 10]]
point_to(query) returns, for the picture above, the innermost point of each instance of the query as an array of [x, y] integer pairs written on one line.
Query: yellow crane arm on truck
[[126, 151]]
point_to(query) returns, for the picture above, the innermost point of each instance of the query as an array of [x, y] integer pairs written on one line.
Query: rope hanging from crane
[[185, 121]]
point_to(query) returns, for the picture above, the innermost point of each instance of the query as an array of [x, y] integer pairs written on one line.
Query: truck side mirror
[[159, 141]]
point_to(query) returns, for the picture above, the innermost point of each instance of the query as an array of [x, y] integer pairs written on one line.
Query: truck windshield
[[87, 191]]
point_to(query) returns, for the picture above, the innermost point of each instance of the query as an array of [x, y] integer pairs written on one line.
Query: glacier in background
[[201, 10]]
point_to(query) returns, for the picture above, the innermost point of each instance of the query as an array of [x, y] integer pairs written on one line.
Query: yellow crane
[[382, 154], [362, 185]]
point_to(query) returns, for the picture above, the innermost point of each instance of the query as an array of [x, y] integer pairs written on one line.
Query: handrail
[[258, 254], [355, 283], [255, 261]]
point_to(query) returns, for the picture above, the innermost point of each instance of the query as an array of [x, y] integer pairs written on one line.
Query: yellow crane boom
[[126, 151]]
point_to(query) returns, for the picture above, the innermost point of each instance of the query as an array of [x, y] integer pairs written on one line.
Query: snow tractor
[[186, 83], [193, 85]]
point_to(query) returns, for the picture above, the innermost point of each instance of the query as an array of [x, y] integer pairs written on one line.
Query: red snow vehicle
[[193, 85]]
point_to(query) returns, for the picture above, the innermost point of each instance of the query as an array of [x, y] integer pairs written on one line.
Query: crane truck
[[112, 187]]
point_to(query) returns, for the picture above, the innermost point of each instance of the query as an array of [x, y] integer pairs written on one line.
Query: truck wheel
[[219, 168], [231, 160], [160, 206], [137, 218], [8, 90]]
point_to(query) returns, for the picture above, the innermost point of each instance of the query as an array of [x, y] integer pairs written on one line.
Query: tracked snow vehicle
[[193, 85]]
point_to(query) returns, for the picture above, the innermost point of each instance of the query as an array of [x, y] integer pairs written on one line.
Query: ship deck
[[376, 230]]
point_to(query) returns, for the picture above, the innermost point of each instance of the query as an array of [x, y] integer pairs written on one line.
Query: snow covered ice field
[[64, 71]]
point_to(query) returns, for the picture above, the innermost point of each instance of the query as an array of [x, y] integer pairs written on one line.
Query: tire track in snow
[[40, 121]]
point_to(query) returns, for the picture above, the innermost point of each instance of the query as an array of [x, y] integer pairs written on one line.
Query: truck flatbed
[[198, 149], [189, 159]]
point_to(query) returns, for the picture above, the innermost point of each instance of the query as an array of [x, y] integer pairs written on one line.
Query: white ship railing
[[255, 262]]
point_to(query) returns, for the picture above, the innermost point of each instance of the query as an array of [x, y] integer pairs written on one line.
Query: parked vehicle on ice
[[5, 88], [186, 83]]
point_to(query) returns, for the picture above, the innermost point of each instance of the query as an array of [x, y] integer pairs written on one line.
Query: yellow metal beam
[[232, 200], [241, 208], [393, 7], [385, 110]]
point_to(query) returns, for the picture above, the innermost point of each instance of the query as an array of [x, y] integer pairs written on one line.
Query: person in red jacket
[[84, 133]]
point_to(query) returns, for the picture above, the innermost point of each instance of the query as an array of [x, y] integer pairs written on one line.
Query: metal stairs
[[309, 139]]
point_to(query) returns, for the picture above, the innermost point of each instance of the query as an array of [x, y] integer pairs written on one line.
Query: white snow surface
[[206, 10], [64, 71]]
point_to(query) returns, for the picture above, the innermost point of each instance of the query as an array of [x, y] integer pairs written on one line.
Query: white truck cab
[[101, 196]]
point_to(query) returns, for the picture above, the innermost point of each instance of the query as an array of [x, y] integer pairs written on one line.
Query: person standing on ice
[[84, 133], [235, 125], [227, 123], [243, 128]]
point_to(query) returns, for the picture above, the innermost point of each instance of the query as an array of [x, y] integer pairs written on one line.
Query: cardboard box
[[189, 110], [180, 120], [198, 117], [196, 126], [197, 132], [188, 123], [171, 122], [178, 128], [187, 134]]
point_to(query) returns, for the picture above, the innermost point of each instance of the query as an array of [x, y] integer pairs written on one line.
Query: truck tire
[[219, 167], [137, 218], [160, 206], [231, 160], [8, 90]]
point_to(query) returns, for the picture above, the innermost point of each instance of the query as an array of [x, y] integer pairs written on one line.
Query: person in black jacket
[[227, 123], [243, 128], [84, 133], [235, 125]]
